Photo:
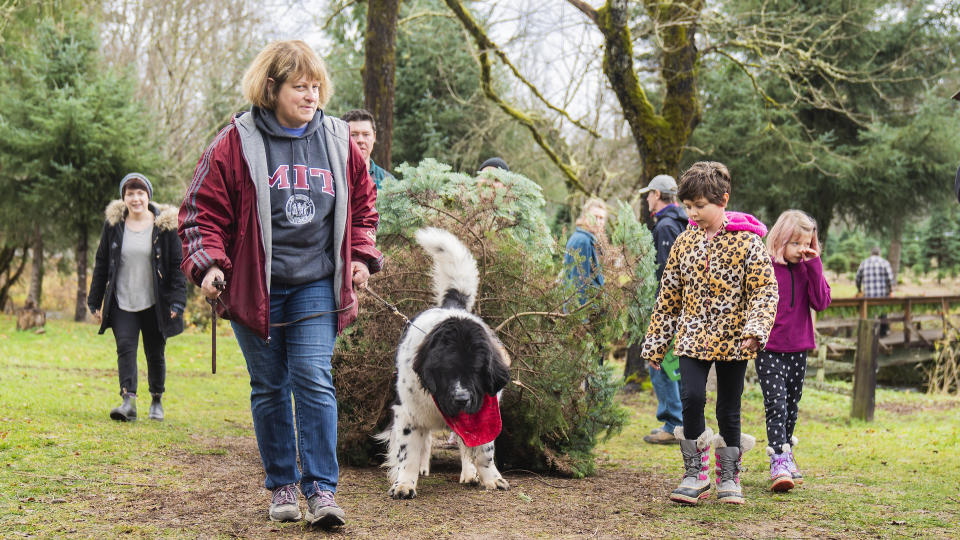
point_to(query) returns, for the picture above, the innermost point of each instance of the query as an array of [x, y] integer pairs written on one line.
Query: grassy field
[[66, 470]]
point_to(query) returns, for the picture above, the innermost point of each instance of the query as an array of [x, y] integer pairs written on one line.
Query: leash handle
[[221, 286]]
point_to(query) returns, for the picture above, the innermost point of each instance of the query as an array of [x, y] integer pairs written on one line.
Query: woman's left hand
[[360, 274], [750, 344]]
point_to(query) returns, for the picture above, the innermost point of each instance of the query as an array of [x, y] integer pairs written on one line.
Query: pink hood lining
[[740, 221]]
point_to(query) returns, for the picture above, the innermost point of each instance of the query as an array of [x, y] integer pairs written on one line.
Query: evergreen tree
[[70, 131]]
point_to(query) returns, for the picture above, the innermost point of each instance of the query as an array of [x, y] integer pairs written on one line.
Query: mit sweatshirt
[[301, 200], [801, 286]]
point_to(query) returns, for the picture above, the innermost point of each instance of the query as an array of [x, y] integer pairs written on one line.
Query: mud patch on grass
[[220, 492]]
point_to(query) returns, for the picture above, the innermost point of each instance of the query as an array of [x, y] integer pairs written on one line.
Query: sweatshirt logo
[[280, 178], [300, 209]]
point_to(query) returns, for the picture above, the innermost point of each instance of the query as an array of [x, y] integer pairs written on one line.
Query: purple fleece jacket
[[801, 286]]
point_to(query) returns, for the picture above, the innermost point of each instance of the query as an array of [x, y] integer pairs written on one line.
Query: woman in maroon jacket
[[281, 207], [781, 365]]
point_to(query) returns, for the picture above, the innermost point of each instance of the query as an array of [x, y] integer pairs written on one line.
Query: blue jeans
[[669, 409], [296, 360]]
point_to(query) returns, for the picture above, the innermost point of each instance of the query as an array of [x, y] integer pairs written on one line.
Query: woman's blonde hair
[[585, 217], [788, 225], [280, 61]]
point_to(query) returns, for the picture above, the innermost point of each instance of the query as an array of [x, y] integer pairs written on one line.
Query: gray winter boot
[[729, 463], [156, 408], [695, 484], [127, 411]]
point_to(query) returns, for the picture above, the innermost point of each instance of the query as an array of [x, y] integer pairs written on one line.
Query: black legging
[[127, 327], [693, 394]]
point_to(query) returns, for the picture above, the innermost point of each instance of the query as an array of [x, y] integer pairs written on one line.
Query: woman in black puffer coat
[[138, 288]]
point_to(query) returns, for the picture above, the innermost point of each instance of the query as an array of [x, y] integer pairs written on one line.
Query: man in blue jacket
[[671, 220]]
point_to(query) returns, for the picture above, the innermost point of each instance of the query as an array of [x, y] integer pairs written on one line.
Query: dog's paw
[[402, 491], [497, 483], [425, 465], [469, 478]]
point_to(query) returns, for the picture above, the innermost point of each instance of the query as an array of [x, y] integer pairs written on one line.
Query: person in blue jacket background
[[581, 260]]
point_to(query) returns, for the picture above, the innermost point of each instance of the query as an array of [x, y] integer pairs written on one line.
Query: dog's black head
[[458, 365]]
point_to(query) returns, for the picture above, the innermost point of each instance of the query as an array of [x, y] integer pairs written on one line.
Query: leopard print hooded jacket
[[714, 293]]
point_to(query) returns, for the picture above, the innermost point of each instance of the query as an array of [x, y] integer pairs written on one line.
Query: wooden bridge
[[912, 342]]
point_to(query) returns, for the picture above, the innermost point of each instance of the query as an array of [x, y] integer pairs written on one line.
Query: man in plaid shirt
[[875, 277]]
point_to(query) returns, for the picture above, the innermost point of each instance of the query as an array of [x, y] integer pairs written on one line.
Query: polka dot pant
[[781, 380]]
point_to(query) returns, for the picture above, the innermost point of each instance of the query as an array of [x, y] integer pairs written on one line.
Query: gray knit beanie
[[141, 178]]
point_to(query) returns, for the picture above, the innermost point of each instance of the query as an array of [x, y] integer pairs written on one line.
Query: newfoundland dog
[[450, 368]]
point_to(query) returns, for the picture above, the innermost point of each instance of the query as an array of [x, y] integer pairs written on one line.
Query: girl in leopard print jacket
[[718, 297]]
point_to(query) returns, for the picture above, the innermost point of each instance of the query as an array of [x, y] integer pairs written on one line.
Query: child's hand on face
[[809, 253]]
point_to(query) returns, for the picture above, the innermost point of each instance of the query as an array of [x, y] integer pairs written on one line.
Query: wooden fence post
[[865, 371]]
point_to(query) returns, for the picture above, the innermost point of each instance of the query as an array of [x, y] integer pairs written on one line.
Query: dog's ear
[[421, 367], [496, 375]]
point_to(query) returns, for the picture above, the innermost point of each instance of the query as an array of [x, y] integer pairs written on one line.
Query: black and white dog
[[449, 364]]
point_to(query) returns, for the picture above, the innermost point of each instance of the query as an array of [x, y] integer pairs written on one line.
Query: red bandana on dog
[[480, 427]]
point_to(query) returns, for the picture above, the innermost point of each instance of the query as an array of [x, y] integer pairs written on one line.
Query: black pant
[[693, 394], [127, 327], [781, 379]]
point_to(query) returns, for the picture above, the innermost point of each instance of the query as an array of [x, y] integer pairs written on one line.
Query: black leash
[[221, 286]]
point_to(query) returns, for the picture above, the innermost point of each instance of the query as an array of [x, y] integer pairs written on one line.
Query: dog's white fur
[[453, 265], [416, 415]]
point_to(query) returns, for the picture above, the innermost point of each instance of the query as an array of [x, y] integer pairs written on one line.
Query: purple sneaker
[[780, 477], [322, 510], [284, 506]]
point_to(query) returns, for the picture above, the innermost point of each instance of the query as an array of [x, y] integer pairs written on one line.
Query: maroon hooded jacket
[[224, 220]]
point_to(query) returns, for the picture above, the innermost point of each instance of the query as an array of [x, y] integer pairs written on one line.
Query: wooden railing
[[907, 303], [865, 362]]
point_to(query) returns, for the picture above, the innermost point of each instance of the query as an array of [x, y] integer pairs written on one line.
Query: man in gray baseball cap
[[664, 183], [671, 220]]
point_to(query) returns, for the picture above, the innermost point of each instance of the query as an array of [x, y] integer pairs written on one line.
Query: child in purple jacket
[[795, 251]]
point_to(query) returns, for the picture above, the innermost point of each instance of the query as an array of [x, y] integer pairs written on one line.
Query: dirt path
[[220, 493]]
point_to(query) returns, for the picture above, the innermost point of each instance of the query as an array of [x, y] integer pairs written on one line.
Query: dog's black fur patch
[[460, 350], [454, 299]]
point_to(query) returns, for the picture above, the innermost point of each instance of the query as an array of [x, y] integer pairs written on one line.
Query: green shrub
[[837, 262], [560, 402]]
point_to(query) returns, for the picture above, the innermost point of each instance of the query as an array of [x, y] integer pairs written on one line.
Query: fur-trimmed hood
[[166, 215]]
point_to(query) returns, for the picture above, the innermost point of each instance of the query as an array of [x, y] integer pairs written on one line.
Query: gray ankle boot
[[156, 408], [695, 484], [729, 463], [127, 411], [728, 475]]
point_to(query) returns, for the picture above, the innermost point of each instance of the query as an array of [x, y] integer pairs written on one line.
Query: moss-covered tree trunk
[[379, 69], [660, 136]]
